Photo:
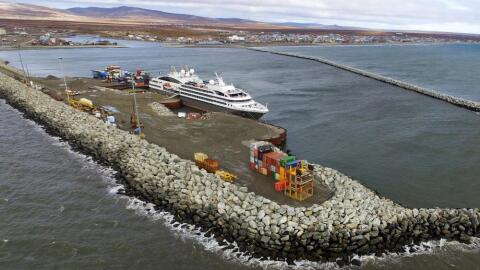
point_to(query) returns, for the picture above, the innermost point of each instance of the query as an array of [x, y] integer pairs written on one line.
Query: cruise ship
[[213, 95]]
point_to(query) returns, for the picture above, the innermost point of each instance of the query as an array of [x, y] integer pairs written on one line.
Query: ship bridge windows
[[219, 93], [169, 79], [239, 94]]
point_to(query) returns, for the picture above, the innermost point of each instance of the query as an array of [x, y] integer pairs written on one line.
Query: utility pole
[[64, 78], [135, 106], [28, 74], [23, 68]]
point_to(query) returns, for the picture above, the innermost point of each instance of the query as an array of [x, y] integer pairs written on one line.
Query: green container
[[287, 159]]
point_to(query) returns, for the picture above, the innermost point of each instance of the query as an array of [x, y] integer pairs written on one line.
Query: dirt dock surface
[[224, 137]]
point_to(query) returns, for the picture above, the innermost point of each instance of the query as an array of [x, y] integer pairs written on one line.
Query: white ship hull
[[205, 106], [213, 95]]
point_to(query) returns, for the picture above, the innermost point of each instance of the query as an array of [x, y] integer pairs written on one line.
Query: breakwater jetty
[[465, 103], [355, 220]]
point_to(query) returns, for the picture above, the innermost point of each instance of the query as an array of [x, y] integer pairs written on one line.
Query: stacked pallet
[[298, 180]]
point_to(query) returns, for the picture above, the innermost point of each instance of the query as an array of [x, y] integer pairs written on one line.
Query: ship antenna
[[218, 77]]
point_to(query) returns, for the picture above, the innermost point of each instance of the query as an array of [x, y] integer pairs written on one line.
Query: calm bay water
[[450, 68], [57, 209]]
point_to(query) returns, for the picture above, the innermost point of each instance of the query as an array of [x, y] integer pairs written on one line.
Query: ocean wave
[[230, 252], [106, 173]]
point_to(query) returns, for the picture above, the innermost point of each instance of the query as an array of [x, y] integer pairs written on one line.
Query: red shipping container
[[280, 186], [273, 158]]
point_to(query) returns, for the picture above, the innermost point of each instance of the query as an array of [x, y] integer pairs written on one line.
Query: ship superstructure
[[209, 95]]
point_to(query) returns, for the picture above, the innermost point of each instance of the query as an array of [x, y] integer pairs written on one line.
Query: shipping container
[[200, 157], [274, 158], [286, 160], [211, 165], [280, 186]]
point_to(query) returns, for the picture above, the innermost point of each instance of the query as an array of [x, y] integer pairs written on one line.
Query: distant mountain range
[[9, 10], [135, 14]]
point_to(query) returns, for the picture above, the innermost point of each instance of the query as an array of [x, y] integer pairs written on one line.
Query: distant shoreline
[[259, 45], [12, 48], [240, 45], [231, 45]]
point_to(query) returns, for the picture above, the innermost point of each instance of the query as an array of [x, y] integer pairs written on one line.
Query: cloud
[[436, 15]]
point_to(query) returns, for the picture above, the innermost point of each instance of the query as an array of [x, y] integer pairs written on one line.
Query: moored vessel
[[208, 95]]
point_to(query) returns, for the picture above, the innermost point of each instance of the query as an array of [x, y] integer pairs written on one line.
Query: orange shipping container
[[211, 165]]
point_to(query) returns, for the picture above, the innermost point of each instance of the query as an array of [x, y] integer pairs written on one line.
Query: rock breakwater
[[354, 221], [465, 103]]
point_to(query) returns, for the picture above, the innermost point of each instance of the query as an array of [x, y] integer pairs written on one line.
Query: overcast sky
[[434, 15]]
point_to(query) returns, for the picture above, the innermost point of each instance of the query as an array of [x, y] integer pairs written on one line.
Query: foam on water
[[434, 247], [191, 232], [107, 173]]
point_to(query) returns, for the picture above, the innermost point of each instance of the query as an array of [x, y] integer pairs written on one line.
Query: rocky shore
[[465, 103], [354, 221]]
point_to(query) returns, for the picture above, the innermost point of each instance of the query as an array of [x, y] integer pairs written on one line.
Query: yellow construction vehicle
[[226, 176], [82, 104]]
